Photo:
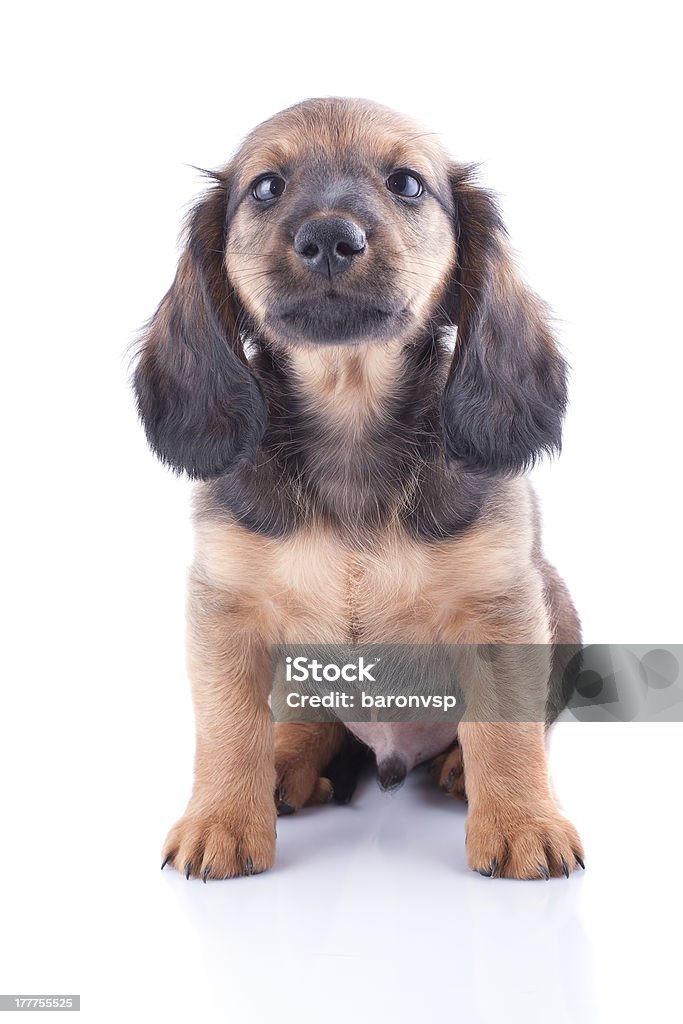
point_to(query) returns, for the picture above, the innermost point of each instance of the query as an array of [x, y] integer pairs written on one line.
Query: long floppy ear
[[201, 406], [507, 391]]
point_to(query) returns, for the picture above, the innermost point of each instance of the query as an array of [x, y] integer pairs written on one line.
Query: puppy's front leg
[[514, 828], [228, 828]]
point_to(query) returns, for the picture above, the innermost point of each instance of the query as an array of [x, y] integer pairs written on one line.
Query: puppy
[[359, 480]]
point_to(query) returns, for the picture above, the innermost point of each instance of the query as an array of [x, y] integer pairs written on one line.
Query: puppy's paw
[[298, 784], [221, 843], [448, 771], [512, 844]]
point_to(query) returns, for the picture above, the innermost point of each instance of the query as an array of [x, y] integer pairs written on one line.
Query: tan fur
[[302, 752], [296, 589], [347, 388], [448, 770], [364, 127], [229, 826], [514, 828]]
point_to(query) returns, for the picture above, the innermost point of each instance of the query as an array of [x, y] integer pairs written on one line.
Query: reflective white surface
[[370, 913]]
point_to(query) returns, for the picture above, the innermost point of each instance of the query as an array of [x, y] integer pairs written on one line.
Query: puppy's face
[[339, 224]]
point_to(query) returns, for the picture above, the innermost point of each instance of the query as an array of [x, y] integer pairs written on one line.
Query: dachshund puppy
[[359, 480]]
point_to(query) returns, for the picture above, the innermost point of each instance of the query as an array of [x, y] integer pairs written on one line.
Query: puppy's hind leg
[[448, 771], [315, 762]]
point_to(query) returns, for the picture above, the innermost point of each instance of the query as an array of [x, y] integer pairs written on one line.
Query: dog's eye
[[270, 187], [401, 183]]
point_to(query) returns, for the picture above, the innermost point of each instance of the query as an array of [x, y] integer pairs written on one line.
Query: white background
[[371, 912]]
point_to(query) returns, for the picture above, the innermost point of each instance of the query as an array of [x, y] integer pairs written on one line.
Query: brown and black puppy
[[359, 481]]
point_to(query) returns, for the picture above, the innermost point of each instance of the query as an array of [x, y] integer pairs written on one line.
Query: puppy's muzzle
[[329, 245]]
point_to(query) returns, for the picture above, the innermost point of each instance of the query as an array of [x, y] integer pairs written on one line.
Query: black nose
[[328, 245]]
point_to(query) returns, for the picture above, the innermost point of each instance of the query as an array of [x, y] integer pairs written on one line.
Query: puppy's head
[[342, 222]]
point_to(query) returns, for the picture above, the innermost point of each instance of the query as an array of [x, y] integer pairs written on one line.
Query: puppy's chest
[[315, 587]]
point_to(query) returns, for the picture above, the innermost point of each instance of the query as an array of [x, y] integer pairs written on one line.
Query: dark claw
[[565, 868], [169, 856], [543, 871], [188, 869], [579, 861], [488, 872], [494, 867], [249, 866], [205, 873]]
